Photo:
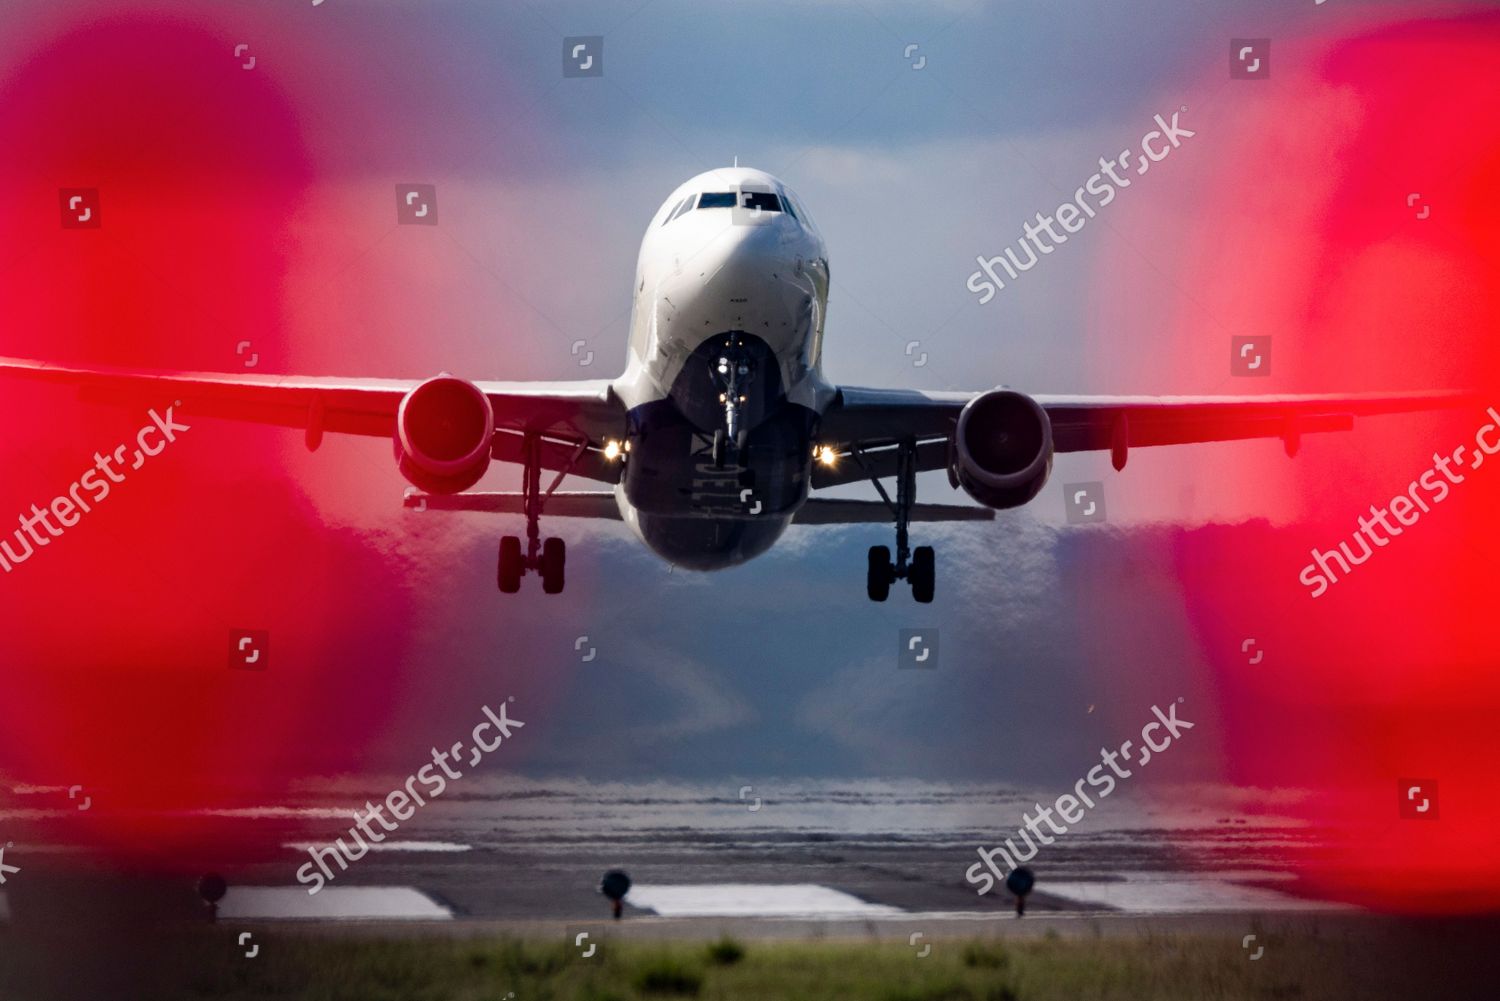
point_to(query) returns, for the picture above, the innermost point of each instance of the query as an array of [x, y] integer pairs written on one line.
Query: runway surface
[[798, 855]]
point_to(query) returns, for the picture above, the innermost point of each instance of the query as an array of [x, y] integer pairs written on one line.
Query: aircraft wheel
[[923, 573], [554, 557], [720, 448], [878, 578], [511, 567]]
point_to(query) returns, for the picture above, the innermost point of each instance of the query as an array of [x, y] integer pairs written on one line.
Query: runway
[[797, 855], [505, 874]]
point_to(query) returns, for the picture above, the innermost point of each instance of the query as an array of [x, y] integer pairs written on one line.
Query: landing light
[[612, 450], [826, 455]]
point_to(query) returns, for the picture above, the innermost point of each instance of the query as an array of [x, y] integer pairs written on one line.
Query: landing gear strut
[[547, 559], [732, 371], [916, 566]]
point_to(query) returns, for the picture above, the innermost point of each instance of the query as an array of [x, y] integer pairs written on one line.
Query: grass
[[203, 964]]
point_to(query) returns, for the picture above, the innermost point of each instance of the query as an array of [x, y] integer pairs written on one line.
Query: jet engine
[[1002, 448], [443, 432]]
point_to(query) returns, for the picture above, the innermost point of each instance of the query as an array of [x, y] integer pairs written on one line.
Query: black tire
[[554, 559], [923, 574], [878, 577], [719, 449], [509, 574]]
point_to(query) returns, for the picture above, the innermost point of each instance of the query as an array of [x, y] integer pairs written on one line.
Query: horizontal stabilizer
[[839, 511], [561, 504], [601, 504]]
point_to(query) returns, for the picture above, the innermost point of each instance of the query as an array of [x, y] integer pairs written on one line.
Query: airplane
[[723, 424]]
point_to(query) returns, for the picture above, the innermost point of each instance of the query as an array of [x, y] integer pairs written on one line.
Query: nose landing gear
[[732, 372], [918, 567]]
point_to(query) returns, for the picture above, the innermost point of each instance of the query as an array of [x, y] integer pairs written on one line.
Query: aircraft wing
[[874, 420], [568, 413]]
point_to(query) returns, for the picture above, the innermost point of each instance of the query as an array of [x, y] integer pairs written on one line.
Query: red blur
[[1348, 209]]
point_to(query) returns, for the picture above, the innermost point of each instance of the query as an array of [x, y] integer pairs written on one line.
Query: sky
[[247, 153]]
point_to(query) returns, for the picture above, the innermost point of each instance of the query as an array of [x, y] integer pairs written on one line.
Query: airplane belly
[[697, 543], [671, 479]]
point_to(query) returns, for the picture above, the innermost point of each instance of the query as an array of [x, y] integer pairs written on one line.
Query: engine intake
[[1002, 448], [444, 429]]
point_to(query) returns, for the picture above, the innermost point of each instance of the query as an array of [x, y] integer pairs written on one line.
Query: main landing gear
[[918, 567], [548, 558]]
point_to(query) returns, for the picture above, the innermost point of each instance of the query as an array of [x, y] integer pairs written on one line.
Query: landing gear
[[917, 567], [733, 372], [922, 574], [512, 565], [881, 573], [554, 557], [548, 559]]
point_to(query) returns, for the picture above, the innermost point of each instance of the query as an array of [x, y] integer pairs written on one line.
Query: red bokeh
[[1304, 228], [116, 654]]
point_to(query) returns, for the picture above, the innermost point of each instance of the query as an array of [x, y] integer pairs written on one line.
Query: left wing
[[873, 421], [583, 413]]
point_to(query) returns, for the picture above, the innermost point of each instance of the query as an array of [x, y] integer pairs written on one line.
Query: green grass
[[205, 964]]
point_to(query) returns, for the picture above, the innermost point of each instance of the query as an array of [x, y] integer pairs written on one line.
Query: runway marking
[[340, 903], [1155, 895], [393, 846], [753, 900]]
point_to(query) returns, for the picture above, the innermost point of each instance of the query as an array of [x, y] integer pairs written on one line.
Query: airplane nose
[[746, 252]]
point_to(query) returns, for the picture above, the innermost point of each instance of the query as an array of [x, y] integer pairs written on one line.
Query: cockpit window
[[716, 200], [791, 210], [755, 201], [800, 211], [763, 201], [684, 208]]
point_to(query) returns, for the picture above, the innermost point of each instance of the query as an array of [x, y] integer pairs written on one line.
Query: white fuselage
[[732, 275]]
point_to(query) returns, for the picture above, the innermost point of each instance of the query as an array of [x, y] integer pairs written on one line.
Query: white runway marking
[[394, 846], [753, 900], [344, 903], [1151, 894]]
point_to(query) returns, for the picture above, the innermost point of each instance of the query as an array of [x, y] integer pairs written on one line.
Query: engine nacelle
[[1002, 448], [444, 429]]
